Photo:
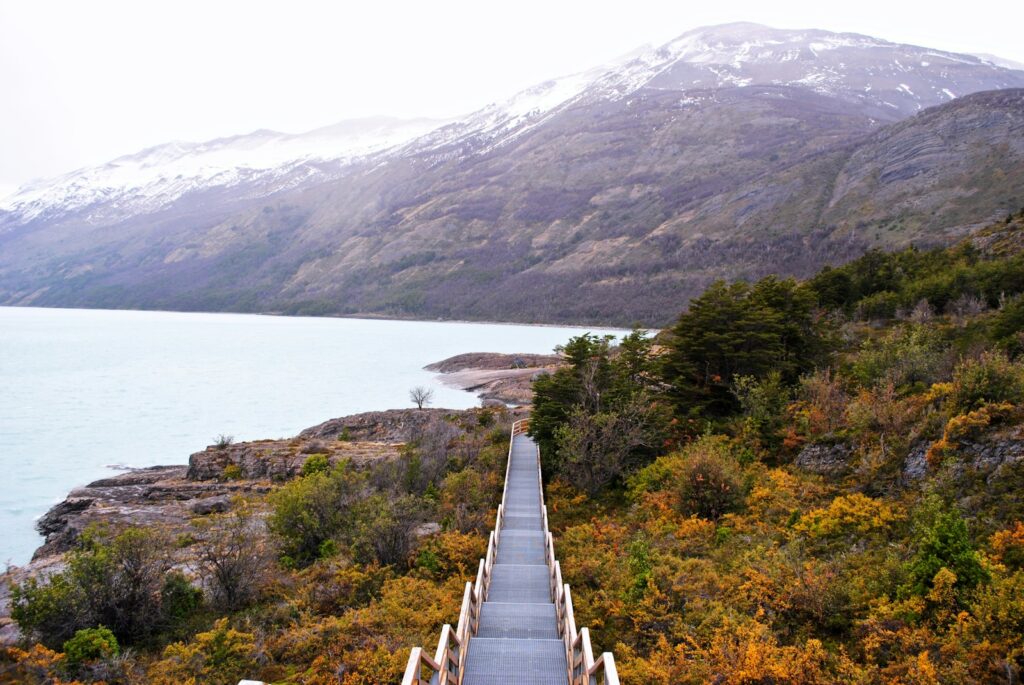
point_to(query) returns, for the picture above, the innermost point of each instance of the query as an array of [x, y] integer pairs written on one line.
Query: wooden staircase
[[516, 623]]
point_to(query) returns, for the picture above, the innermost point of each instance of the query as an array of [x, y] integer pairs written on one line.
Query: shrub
[[942, 541], [90, 644], [115, 582], [232, 472], [179, 599], [466, 498], [764, 404], [386, 530], [990, 378], [848, 514], [1007, 326], [1008, 545], [316, 463], [712, 482], [310, 511], [222, 441], [822, 402], [598, 448], [221, 656], [880, 305], [908, 357], [232, 555]]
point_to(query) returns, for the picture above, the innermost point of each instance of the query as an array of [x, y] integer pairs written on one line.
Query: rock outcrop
[[825, 459], [495, 377], [279, 460], [159, 495], [391, 426], [988, 457]]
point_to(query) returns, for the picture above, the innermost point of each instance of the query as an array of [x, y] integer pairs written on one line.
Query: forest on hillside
[[798, 482]]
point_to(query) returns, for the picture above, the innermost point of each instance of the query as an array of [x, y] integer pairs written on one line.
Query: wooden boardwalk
[[516, 623]]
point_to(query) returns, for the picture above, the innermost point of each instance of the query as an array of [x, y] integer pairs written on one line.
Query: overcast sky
[[84, 82]]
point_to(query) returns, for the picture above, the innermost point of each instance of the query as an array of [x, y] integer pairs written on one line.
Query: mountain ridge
[[584, 198]]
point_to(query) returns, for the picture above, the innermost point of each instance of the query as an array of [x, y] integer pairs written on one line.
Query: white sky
[[83, 82]]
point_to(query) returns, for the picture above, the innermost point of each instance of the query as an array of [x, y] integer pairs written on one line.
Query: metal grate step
[[518, 584], [521, 547], [520, 620], [499, 661]]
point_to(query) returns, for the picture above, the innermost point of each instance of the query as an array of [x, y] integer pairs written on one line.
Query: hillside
[[607, 196], [799, 482]]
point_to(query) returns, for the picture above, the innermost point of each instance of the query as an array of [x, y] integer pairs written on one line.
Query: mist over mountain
[[611, 195]]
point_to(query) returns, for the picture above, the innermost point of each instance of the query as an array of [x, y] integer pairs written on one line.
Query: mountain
[[259, 163], [608, 196]]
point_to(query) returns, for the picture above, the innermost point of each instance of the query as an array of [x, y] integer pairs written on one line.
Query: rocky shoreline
[[495, 377], [172, 497]]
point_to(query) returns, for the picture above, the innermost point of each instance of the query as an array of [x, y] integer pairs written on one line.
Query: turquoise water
[[85, 391]]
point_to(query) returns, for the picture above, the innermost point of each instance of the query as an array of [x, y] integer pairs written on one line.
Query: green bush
[[764, 403], [990, 378], [942, 541], [90, 644], [911, 356], [878, 306], [309, 512], [316, 463], [180, 599], [114, 582], [1007, 326]]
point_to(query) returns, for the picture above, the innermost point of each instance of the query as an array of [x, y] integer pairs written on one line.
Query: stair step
[[521, 547], [499, 661], [521, 523], [518, 620], [519, 584]]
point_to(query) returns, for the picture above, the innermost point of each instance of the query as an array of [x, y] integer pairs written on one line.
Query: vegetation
[[330, 578], [799, 482], [421, 396]]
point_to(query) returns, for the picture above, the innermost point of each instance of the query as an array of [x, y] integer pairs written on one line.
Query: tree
[[421, 396], [595, 418], [740, 330], [596, 449]]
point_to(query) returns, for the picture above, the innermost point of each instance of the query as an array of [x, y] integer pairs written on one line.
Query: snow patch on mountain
[[887, 80], [155, 177]]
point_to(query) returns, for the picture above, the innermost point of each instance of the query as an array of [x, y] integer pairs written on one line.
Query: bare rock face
[[156, 496], [279, 460], [825, 459], [988, 456], [494, 361], [915, 467], [392, 426]]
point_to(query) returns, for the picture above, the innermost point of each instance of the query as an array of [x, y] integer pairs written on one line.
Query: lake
[[85, 392]]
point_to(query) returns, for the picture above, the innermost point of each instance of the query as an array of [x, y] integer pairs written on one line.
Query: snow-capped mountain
[[617, 191], [258, 163], [886, 80]]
